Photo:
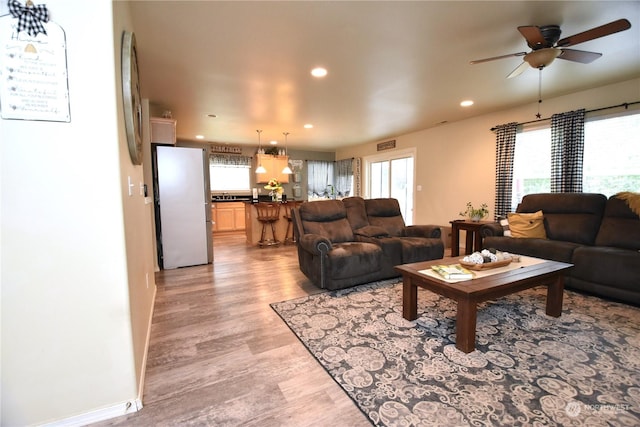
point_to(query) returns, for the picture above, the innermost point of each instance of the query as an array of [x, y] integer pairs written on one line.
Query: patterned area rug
[[581, 369]]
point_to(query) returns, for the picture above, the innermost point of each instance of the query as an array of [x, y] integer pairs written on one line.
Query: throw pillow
[[527, 225], [504, 222]]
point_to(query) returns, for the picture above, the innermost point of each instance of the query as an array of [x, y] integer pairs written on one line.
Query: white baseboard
[[99, 415]]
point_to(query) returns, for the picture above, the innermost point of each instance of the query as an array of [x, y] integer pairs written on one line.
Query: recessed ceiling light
[[319, 72], [308, 126], [199, 136], [466, 103]]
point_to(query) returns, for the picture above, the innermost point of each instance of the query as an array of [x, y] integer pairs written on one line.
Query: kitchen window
[[228, 173]]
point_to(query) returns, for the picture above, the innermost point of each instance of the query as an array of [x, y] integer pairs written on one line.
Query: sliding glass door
[[392, 175]]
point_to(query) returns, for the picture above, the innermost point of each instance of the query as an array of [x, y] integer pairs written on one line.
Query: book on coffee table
[[452, 272]]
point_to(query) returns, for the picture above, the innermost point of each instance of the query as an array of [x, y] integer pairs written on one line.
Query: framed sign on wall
[[33, 76]]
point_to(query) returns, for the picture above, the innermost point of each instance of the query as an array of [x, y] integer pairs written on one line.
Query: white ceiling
[[394, 67]]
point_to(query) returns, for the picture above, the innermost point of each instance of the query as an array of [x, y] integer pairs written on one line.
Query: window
[[230, 173], [329, 180], [611, 160], [319, 179], [612, 155], [531, 164]]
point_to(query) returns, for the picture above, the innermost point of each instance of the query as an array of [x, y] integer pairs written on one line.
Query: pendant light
[[287, 170], [260, 168]]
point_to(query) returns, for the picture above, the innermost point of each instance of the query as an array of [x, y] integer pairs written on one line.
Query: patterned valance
[[230, 160]]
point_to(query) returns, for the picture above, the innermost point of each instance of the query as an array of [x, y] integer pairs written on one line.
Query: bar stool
[[268, 214], [287, 215]]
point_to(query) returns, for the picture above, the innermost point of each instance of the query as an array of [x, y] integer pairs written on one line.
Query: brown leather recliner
[[343, 243]]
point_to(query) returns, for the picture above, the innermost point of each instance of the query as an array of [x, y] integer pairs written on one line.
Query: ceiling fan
[[546, 45]]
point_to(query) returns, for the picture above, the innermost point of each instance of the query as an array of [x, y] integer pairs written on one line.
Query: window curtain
[[229, 160], [319, 176], [344, 175], [567, 151], [505, 148]]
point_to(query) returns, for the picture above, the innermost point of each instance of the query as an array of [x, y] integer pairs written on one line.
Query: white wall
[[456, 161], [75, 307]]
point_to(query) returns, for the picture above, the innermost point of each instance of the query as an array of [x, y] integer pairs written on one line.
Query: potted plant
[[475, 214]]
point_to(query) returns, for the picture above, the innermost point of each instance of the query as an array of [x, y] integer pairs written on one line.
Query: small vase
[[476, 218], [274, 196]]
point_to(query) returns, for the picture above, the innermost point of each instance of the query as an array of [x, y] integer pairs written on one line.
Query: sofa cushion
[[391, 248], [385, 213], [527, 225], [570, 217], [327, 218], [356, 212], [614, 267], [352, 259], [416, 249], [620, 226], [539, 248]]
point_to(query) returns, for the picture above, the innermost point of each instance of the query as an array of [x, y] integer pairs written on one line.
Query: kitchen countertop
[[238, 199]]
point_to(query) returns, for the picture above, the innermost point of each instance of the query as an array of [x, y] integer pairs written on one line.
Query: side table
[[473, 240]]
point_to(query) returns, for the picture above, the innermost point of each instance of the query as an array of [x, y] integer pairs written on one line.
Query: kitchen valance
[[230, 160]]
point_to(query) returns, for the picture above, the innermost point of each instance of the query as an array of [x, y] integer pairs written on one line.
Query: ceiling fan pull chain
[[539, 91]]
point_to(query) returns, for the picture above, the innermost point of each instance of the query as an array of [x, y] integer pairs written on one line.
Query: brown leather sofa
[[599, 236], [343, 243]]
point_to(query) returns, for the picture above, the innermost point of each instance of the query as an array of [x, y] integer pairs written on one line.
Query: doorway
[[392, 175]]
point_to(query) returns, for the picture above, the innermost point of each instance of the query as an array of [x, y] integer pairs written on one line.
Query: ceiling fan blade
[[478, 61], [581, 56], [519, 70], [594, 33], [533, 35]]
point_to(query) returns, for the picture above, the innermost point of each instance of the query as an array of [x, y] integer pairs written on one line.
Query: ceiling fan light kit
[[543, 57]]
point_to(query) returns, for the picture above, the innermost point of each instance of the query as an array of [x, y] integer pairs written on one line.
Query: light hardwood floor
[[220, 356]]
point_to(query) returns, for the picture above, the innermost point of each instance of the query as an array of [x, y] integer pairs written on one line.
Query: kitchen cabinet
[[273, 165], [163, 131], [227, 216]]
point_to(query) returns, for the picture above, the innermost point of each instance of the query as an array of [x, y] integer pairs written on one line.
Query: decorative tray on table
[[486, 265]]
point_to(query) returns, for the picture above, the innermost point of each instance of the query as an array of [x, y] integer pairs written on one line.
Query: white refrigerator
[[182, 200]]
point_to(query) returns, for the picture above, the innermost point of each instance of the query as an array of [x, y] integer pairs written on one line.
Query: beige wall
[[75, 249], [456, 161], [75, 306], [138, 216]]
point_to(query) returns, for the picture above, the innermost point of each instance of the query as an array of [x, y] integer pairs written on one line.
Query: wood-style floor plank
[[220, 356]]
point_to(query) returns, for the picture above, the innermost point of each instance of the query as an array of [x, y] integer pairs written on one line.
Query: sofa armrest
[[492, 229], [315, 244], [430, 231]]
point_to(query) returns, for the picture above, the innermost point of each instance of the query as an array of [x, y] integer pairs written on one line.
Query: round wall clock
[[131, 97]]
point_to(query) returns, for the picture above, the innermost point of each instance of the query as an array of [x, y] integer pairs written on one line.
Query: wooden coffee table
[[468, 294]]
